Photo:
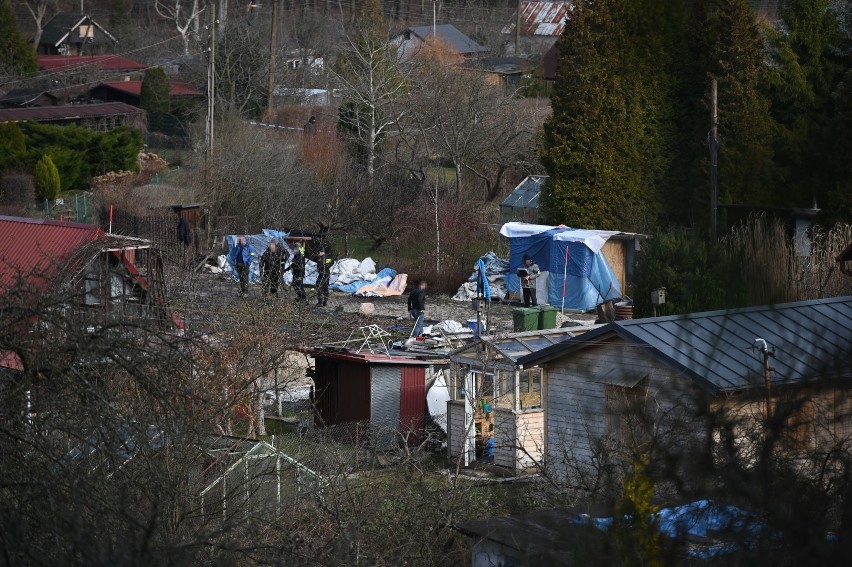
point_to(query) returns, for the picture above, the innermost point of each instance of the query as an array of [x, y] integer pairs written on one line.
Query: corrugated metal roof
[[526, 194], [451, 36], [541, 18], [176, 88], [365, 357], [67, 112], [811, 340], [37, 249], [519, 348], [99, 62]]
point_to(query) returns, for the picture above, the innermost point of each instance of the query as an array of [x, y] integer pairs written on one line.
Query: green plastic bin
[[547, 317], [525, 319]]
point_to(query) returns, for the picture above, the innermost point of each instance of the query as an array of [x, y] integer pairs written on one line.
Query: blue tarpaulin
[[586, 281]]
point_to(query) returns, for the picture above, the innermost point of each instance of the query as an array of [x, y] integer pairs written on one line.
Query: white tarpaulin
[[594, 239]]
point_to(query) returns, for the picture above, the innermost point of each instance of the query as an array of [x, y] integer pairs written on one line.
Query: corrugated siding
[[384, 392], [455, 428], [412, 403]]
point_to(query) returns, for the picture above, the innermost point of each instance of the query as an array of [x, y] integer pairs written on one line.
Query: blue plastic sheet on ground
[[260, 242]]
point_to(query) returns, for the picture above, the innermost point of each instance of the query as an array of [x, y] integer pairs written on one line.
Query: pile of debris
[[495, 271]]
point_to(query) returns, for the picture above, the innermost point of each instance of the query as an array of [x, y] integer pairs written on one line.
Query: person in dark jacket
[[241, 257], [272, 268], [416, 306], [324, 264], [528, 282], [297, 266]]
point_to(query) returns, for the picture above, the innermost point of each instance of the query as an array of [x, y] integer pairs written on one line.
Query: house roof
[[451, 36], [61, 25], [21, 97], [97, 62], [176, 88], [67, 112], [541, 18], [810, 340], [37, 249], [526, 194]]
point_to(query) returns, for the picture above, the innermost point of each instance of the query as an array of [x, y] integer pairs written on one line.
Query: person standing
[[241, 259], [311, 127], [324, 263], [416, 306], [528, 282], [272, 267], [297, 266]]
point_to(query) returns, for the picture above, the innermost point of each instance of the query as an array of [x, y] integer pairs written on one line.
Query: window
[[505, 389], [529, 386]]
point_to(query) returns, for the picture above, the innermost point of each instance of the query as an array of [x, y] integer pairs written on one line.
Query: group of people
[[273, 264]]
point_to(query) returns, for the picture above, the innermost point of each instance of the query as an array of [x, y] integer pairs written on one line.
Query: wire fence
[[162, 230]]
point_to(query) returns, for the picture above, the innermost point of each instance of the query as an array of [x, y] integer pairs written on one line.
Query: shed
[[687, 365], [496, 398], [369, 398], [541, 23], [103, 117], [522, 204], [580, 268]]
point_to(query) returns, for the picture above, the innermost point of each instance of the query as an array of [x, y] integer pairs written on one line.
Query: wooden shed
[[369, 398]]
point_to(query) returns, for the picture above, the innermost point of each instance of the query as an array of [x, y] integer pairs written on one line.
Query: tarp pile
[[386, 284], [495, 272], [347, 274]]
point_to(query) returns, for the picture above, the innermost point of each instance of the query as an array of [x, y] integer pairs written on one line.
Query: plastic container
[[547, 316], [525, 319], [474, 326]]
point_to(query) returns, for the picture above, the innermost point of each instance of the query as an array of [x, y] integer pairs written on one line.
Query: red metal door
[[412, 403]]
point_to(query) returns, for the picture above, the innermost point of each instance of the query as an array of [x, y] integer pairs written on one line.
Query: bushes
[[47, 178]]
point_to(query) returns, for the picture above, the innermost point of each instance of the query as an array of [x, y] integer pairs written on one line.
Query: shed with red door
[[367, 398]]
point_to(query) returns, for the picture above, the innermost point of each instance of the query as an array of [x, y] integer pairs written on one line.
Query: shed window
[[530, 388], [506, 389]]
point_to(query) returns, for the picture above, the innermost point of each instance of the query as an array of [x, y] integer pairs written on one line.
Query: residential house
[[101, 116], [74, 34], [414, 39], [103, 275], [745, 362], [371, 399], [541, 24]]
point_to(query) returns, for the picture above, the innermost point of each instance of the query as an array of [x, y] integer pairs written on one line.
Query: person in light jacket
[[528, 282]]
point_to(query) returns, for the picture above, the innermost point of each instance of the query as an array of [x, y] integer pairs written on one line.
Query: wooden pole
[[714, 165], [273, 47], [518, 30]]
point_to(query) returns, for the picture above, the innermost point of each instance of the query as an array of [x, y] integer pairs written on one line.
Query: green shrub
[[47, 178]]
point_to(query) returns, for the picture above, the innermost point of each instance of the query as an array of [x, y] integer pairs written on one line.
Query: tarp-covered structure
[[575, 274]]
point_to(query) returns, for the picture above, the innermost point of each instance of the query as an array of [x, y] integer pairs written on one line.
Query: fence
[[159, 229]]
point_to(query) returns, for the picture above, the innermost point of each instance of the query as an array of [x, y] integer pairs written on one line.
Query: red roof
[[366, 357], [96, 62], [36, 249], [67, 112], [176, 88]]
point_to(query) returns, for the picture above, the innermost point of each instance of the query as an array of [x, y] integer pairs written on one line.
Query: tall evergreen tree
[[607, 144], [16, 54], [811, 61], [737, 61], [154, 95]]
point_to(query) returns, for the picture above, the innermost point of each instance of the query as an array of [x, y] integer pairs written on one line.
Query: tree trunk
[[437, 234], [458, 167]]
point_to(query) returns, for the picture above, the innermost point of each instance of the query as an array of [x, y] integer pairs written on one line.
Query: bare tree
[[185, 14]]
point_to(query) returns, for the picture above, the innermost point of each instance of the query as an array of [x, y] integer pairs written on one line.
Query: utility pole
[[518, 31], [273, 47], [714, 164], [211, 85], [434, 25]]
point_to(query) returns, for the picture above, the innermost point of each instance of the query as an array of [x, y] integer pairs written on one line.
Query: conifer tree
[[47, 178], [16, 54]]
